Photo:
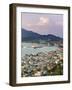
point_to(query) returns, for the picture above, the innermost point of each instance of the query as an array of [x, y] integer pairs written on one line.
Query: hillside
[[31, 36]]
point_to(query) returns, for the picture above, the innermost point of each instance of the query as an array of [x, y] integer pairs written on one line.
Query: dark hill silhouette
[[30, 36]]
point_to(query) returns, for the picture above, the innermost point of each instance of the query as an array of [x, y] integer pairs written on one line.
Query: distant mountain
[[31, 36]]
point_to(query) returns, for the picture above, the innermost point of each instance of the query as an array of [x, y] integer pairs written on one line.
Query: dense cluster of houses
[[42, 64]]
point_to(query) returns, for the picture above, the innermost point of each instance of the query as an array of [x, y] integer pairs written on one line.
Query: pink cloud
[[41, 22]]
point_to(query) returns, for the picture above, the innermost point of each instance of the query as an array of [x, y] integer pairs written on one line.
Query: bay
[[34, 48]]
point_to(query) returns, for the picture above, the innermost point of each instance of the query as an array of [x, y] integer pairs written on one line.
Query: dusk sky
[[43, 24]]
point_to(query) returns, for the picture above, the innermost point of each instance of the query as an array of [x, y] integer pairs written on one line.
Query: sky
[[43, 23]]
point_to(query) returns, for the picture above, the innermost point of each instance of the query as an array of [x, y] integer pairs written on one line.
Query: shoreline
[[42, 64]]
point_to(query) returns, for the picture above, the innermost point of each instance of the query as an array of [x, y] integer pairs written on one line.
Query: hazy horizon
[[43, 24]]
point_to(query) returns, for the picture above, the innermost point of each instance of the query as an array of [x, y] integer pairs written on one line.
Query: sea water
[[26, 48]]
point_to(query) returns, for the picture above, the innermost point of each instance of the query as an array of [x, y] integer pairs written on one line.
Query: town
[[42, 64]]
